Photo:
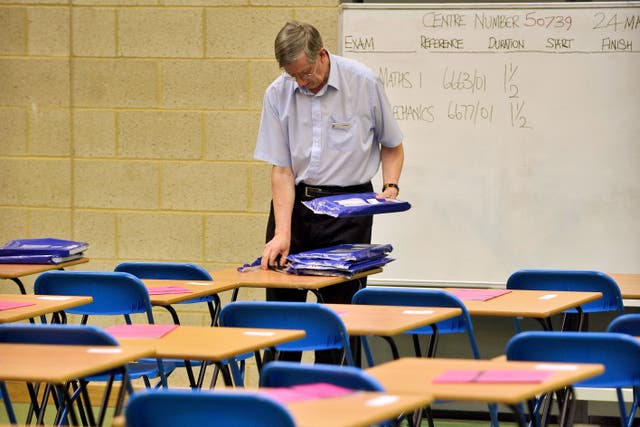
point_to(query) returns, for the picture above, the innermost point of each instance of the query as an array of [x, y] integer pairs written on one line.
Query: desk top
[[416, 375], [199, 288], [359, 409], [530, 303], [274, 279], [13, 271], [57, 364], [42, 304], [383, 320], [629, 284], [213, 343]]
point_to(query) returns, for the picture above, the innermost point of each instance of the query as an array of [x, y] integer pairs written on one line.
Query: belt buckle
[[312, 191], [306, 191]]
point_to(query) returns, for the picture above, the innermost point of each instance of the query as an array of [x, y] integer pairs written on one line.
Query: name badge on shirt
[[340, 125]]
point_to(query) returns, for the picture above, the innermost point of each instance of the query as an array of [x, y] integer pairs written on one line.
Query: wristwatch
[[391, 185]]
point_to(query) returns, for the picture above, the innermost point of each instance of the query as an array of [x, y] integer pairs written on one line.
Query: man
[[326, 128]]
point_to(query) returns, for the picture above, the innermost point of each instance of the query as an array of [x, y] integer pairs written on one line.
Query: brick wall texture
[[130, 124]]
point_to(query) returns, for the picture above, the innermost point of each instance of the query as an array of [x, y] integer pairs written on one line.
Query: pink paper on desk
[[140, 331], [477, 294], [307, 392], [458, 376], [513, 376], [283, 394], [163, 290], [8, 305]]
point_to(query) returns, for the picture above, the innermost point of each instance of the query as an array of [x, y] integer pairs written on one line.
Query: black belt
[[304, 191]]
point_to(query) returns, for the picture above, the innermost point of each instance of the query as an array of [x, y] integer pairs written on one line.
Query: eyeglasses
[[305, 76]]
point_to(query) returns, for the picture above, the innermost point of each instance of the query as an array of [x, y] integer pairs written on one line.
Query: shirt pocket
[[342, 134]]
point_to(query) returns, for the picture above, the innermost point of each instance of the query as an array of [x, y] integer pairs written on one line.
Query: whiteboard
[[521, 130]]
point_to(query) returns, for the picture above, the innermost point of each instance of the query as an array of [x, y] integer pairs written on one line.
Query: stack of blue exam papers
[[47, 250], [340, 260]]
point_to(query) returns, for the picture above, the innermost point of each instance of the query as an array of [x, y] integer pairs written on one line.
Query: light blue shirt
[[332, 137]]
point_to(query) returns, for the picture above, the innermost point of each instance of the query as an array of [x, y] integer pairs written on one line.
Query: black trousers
[[312, 231]]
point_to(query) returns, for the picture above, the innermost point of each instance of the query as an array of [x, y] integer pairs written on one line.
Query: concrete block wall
[[130, 124]]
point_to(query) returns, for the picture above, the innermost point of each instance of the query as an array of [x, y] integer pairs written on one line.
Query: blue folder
[[345, 252], [38, 259], [355, 204], [47, 250], [339, 260], [43, 246]]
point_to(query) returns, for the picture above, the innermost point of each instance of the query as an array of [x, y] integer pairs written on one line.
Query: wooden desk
[[416, 375], [359, 409], [198, 288], [60, 364], [214, 344], [274, 279], [43, 304], [15, 271], [629, 284], [536, 304], [387, 321]]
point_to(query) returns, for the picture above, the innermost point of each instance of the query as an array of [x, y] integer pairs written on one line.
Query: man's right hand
[[275, 252]]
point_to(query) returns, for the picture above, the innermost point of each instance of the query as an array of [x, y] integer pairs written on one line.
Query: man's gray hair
[[295, 38]]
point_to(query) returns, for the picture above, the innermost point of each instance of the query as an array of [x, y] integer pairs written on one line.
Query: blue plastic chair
[[176, 271], [323, 327], [114, 294], [626, 324], [420, 298], [619, 353], [69, 335], [288, 374], [572, 280], [172, 408]]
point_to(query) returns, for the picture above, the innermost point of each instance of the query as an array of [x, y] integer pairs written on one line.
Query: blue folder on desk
[[355, 204], [344, 252], [46, 250], [340, 260]]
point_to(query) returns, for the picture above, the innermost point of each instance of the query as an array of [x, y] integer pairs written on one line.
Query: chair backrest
[[28, 333], [619, 353], [286, 374], [172, 408], [114, 293], [626, 324], [572, 280], [422, 297], [323, 327], [164, 270]]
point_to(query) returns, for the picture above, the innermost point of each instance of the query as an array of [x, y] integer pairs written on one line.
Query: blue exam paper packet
[[43, 246], [345, 252], [336, 271], [355, 204], [37, 259]]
